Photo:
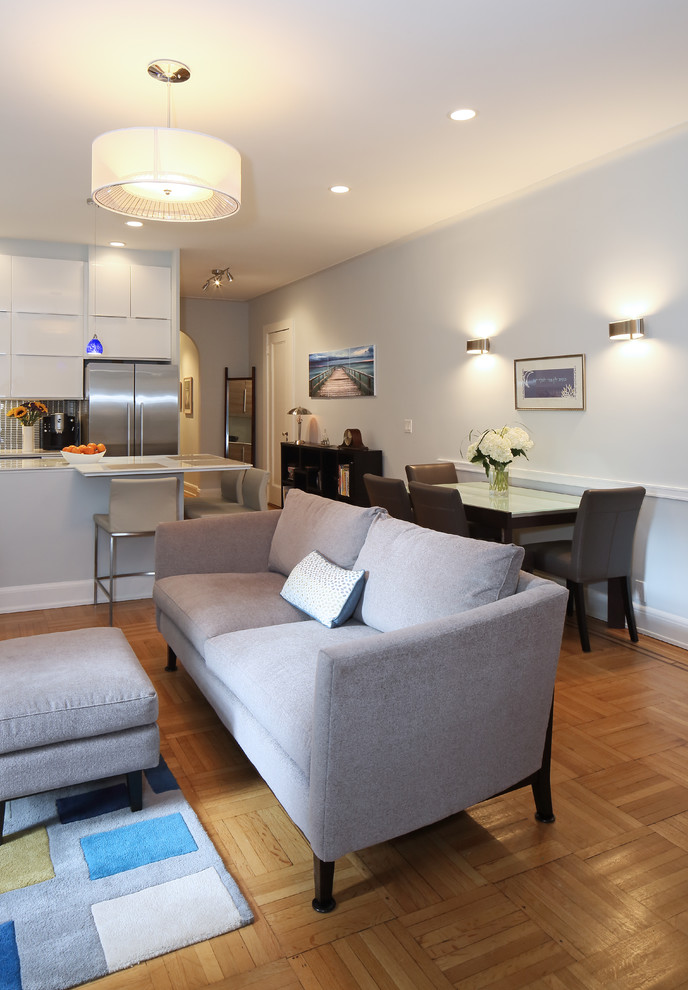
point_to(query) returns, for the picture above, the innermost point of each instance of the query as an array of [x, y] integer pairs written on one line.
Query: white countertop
[[115, 467], [20, 462], [111, 467]]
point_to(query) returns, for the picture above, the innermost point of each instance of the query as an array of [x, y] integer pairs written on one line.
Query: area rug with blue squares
[[88, 888]]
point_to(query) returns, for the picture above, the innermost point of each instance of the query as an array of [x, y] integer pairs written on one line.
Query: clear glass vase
[[498, 480]]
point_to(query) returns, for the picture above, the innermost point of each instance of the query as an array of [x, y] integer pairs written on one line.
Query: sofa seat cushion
[[272, 672], [64, 686], [311, 522], [206, 605], [417, 575]]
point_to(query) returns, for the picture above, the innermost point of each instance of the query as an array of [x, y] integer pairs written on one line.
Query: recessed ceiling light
[[116, 243], [134, 223], [339, 189], [465, 114]]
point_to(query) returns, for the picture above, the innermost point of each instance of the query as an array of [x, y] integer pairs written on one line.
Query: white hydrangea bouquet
[[495, 450]]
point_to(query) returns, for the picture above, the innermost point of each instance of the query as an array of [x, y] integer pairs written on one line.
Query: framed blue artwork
[[550, 383]]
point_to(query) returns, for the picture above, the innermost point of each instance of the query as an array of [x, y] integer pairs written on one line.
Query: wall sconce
[[479, 345], [626, 330]]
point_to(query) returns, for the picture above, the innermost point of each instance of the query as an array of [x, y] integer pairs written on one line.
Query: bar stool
[[137, 505]]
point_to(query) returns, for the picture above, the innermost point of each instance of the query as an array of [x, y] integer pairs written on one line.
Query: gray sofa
[[436, 694]]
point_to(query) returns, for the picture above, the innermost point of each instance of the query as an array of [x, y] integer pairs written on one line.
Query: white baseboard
[[64, 594], [650, 621]]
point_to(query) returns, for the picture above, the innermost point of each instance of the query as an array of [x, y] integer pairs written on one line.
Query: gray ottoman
[[74, 707]]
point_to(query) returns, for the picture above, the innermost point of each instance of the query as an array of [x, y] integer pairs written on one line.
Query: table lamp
[[299, 412]]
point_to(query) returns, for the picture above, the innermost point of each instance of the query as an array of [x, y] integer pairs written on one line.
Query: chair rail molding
[[569, 483]]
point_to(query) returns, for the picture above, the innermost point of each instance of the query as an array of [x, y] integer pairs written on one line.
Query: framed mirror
[[240, 417]]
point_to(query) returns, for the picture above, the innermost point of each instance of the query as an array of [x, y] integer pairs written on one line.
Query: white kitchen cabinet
[[111, 290], [130, 308], [5, 282], [5, 381], [47, 285], [5, 359], [46, 377], [139, 291], [131, 338], [47, 334], [150, 292], [5, 333]]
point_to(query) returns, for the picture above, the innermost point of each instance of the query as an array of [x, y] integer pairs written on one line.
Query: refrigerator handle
[[129, 429], [244, 409], [141, 426]]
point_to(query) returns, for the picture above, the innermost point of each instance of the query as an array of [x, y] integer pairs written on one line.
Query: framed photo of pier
[[550, 383], [344, 374]]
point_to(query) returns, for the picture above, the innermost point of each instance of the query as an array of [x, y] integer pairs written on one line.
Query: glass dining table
[[517, 508], [527, 508]]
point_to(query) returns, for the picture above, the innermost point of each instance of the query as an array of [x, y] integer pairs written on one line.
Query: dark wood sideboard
[[333, 472]]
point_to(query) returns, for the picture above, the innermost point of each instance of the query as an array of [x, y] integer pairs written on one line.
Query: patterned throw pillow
[[323, 590]]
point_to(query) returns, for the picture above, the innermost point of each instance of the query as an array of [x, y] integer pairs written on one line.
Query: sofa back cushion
[[417, 575], [310, 522]]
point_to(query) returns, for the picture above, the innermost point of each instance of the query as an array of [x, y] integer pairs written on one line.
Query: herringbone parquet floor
[[486, 899]]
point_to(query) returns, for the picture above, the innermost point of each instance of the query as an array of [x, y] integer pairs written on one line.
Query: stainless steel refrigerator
[[132, 407]]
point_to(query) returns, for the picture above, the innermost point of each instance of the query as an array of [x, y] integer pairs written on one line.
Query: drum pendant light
[[163, 173]]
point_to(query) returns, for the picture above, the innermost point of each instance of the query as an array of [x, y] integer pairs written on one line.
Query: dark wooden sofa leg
[[323, 874], [135, 787], [542, 790], [171, 659]]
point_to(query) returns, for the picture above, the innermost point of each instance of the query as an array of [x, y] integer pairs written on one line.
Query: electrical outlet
[[408, 426]]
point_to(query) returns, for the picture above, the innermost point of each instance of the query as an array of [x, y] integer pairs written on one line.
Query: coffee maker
[[57, 431]]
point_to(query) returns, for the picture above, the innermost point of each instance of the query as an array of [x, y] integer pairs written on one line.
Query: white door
[[280, 399]]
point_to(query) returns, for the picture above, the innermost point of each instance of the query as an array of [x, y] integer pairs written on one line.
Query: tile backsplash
[[10, 428]]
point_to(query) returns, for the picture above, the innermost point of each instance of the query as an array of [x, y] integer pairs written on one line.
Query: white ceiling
[[314, 93]]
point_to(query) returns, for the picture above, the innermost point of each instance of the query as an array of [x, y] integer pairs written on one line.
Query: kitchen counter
[[23, 463], [46, 530], [19, 453], [115, 467]]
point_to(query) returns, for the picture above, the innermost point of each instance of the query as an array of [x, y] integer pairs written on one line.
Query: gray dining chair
[[391, 494], [436, 473], [601, 550], [435, 507]]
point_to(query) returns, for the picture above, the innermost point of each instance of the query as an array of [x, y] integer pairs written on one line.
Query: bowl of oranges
[[81, 453]]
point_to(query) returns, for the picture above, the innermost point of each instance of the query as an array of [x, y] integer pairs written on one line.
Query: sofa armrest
[[215, 544], [418, 724]]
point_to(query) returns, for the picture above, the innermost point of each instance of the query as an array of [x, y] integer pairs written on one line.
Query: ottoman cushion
[[71, 685]]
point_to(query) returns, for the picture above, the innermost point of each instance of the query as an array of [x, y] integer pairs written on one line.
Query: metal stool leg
[[113, 561], [95, 565]]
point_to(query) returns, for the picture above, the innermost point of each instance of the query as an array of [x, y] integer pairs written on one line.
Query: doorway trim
[[272, 434]]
